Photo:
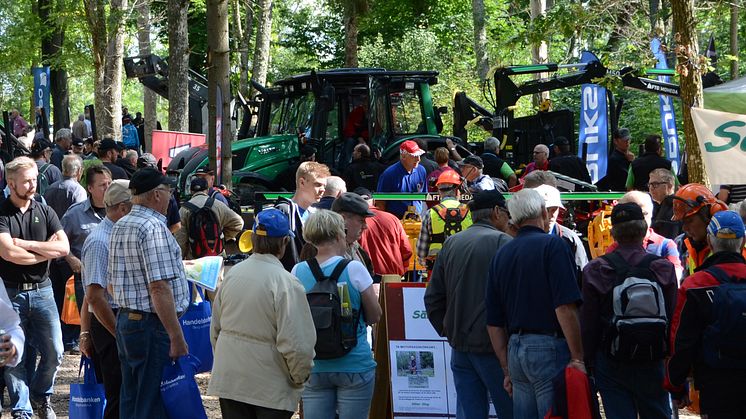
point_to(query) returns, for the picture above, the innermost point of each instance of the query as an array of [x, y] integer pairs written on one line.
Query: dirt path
[[69, 373]]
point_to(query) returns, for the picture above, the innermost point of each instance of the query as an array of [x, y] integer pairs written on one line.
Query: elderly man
[[149, 286], [541, 160], [335, 186], [628, 363], [385, 241], [30, 236], [443, 220], [653, 243], [64, 193], [406, 175], [64, 143], [20, 126], [455, 306], [661, 187], [354, 209], [98, 331], [494, 166], [720, 381], [553, 204], [80, 129], [476, 181], [229, 223], [532, 302]]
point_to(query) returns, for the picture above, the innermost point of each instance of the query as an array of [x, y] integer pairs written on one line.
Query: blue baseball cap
[[272, 222], [726, 225]]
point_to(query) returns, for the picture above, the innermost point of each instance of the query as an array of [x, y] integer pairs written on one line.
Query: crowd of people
[[510, 287]]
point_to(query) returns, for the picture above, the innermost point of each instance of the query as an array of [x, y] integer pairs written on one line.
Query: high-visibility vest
[[446, 219]]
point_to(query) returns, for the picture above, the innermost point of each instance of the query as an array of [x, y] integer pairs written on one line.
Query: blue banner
[[668, 117], [593, 125], [41, 89]]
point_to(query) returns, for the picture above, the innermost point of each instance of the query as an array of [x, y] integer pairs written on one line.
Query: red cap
[[410, 147]]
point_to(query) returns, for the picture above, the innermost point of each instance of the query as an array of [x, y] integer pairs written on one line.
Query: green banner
[[566, 196]]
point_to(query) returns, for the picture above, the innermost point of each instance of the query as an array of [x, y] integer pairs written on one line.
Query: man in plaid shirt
[[150, 287]]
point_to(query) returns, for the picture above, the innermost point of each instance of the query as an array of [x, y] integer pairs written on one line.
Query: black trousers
[[108, 369], [232, 409]]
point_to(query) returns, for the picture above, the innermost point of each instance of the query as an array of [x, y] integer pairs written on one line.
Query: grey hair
[[130, 154], [62, 134], [538, 178], [665, 174], [334, 186], [492, 144], [543, 148], [71, 165], [719, 244], [483, 214], [629, 232], [525, 204]]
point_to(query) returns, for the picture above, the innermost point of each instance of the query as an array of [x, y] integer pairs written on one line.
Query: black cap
[[198, 184], [560, 141], [107, 144], [626, 212], [204, 170], [473, 160], [40, 145], [78, 142], [622, 133], [307, 151], [147, 179], [487, 200], [365, 193], [352, 203]]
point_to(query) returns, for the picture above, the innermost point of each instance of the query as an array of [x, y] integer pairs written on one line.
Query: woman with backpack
[[342, 301]]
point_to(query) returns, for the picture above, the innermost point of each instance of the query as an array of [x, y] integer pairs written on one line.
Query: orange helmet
[[691, 198], [449, 177]]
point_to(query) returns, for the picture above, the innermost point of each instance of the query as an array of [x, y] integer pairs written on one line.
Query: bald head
[[643, 200], [335, 186]]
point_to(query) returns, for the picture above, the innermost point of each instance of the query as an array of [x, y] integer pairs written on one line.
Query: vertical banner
[[668, 117], [593, 125], [218, 135], [41, 89]]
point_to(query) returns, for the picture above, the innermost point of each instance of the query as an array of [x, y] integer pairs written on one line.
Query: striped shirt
[[142, 250], [95, 257]]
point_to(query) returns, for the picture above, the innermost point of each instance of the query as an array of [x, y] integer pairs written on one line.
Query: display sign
[[722, 141]]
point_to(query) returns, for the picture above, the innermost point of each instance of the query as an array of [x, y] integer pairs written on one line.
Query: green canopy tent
[[727, 97]]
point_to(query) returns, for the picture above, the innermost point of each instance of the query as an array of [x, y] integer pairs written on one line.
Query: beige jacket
[[262, 335], [230, 222]]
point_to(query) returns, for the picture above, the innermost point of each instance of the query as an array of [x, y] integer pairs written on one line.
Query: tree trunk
[[351, 21], [540, 51], [480, 39], [150, 98], [690, 67], [109, 117], [261, 48], [96, 19], [52, 40], [241, 41], [734, 38], [178, 66], [218, 73]]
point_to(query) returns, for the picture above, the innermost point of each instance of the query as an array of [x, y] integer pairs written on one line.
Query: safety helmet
[[691, 198], [449, 177]]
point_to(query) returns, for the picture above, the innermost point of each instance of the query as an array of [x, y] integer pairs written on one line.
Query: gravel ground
[[69, 373]]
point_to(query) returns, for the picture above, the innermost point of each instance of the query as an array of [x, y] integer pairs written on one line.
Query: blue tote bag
[[179, 390], [87, 400], [195, 324]]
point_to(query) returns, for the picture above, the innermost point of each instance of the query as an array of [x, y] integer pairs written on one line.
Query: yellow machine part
[[599, 233], [412, 223]]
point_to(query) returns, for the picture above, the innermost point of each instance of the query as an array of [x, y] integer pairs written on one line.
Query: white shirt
[[11, 323]]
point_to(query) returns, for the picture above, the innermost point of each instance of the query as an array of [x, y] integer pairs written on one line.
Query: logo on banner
[[734, 137], [668, 117], [722, 141], [593, 126]]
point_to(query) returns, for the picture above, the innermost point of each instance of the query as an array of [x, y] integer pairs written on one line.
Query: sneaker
[[43, 409], [21, 415]]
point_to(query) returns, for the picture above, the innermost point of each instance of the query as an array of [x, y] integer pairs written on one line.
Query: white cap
[[551, 196]]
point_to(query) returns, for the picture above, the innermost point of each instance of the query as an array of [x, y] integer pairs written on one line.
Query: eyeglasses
[[539, 152], [653, 185]]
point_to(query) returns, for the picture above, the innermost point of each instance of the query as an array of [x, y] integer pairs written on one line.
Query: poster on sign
[[722, 140], [418, 377], [416, 324], [167, 144]]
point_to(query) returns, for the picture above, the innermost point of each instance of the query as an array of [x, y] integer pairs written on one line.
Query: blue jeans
[[143, 346], [534, 361], [41, 325], [628, 389], [347, 393], [475, 376]]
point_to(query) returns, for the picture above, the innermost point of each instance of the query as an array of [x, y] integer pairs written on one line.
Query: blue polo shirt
[[396, 179], [531, 276]]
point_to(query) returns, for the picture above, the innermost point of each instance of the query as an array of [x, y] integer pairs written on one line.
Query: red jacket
[[693, 313], [387, 243]]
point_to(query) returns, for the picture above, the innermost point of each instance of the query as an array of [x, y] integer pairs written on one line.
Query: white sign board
[[416, 324], [722, 141]]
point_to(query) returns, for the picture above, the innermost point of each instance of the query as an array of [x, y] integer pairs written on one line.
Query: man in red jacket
[[696, 337]]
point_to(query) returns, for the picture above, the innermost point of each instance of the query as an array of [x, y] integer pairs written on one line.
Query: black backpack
[[205, 233], [636, 331], [724, 339], [336, 331]]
